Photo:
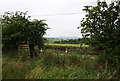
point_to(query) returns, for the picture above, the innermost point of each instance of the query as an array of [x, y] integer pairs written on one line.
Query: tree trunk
[[32, 50]]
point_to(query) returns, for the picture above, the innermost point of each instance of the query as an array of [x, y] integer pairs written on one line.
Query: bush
[[102, 27]]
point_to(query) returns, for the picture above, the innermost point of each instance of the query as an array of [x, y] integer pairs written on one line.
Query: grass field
[[53, 64], [50, 42], [75, 45], [53, 40]]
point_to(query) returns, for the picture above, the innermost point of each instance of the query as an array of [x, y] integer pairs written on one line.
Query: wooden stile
[[24, 49]]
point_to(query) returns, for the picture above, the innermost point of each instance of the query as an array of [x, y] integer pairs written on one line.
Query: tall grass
[[53, 64]]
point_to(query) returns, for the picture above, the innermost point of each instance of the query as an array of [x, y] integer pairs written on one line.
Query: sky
[[62, 16]]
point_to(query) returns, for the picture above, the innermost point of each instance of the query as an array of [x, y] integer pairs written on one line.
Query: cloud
[[63, 16]]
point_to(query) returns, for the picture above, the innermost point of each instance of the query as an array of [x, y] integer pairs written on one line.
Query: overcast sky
[[62, 16]]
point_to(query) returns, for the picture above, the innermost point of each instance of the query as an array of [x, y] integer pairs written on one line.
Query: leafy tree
[[13, 28], [102, 26], [35, 34], [17, 27]]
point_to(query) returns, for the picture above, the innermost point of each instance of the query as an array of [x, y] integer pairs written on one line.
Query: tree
[[102, 27], [35, 33], [17, 27], [13, 28]]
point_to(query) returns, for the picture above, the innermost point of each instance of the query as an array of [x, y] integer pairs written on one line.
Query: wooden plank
[[23, 47]]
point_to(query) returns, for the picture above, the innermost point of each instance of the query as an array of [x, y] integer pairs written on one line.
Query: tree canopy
[[17, 27], [102, 26], [68, 41]]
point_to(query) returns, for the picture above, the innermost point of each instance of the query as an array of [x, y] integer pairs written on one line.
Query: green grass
[[52, 40], [75, 45], [52, 64]]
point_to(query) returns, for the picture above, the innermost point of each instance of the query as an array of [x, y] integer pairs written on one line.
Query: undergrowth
[[54, 64]]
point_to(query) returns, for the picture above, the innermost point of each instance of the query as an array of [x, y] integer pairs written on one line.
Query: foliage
[[17, 28], [70, 41], [102, 27], [13, 25], [52, 40], [50, 64], [36, 31]]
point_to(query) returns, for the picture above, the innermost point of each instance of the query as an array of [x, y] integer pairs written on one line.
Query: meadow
[[54, 64], [51, 42], [25, 56], [75, 45]]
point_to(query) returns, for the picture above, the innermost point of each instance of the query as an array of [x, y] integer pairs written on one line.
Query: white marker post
[[41, 50], [66, 50]]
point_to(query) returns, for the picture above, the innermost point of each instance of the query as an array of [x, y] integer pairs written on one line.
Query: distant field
[[75, 45], [53, 40]]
